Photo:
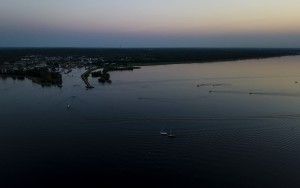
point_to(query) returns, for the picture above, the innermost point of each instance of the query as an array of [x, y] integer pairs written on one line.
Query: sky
[[149, 23]]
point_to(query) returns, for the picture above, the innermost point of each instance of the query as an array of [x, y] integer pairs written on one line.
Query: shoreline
[[141, 56], [48, 68], [213, 61]]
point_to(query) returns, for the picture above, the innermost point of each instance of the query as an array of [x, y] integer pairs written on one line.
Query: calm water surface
[[239, 127]]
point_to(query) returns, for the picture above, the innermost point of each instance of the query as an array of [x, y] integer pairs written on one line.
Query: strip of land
[[141, 56], [45, 66]]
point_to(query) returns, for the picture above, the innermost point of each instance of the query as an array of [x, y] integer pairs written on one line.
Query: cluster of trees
[[41, 76]]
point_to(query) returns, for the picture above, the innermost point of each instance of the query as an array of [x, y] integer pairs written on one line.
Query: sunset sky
[[150, 23]]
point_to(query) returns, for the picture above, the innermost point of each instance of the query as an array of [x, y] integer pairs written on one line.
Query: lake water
[[237, 124]]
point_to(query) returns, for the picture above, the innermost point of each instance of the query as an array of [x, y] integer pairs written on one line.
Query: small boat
[[171, 135], [164, 133]]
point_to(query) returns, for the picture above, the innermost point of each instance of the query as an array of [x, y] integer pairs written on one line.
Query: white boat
[[164, 133]]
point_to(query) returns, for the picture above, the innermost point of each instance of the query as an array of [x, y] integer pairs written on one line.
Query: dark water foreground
[[237, 125]]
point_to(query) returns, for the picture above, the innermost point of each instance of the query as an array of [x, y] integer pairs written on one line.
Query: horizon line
[[85, 47]]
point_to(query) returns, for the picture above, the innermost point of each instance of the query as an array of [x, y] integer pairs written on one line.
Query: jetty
[[85, 77]]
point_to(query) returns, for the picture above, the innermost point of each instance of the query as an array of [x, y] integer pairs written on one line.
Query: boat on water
[[164, 133]]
